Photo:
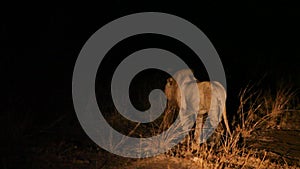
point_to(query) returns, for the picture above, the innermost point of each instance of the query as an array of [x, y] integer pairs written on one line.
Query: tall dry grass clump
[[263, 109]]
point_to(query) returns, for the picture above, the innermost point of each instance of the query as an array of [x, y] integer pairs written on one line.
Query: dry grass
[[262, 109]]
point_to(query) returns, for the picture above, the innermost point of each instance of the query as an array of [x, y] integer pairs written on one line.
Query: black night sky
[[40, 45]]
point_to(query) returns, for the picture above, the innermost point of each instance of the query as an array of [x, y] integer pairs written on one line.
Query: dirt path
[[285, 143]]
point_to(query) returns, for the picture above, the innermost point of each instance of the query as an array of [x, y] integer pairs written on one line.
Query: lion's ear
[[170, 81]]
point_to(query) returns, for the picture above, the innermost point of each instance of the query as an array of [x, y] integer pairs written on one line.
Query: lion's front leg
[[198, 129]]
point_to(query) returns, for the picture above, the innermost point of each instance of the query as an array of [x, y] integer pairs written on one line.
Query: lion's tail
[[226, 122]]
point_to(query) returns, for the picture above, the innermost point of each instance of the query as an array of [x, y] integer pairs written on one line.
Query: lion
[[200, 98]]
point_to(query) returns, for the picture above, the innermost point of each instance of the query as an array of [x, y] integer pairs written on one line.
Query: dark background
[[40, 45]]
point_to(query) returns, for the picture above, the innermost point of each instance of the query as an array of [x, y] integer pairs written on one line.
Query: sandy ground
[[81, 153]]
